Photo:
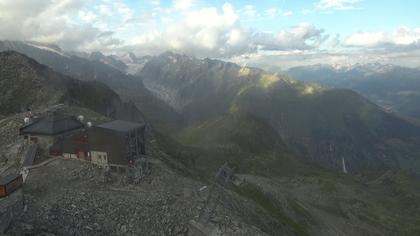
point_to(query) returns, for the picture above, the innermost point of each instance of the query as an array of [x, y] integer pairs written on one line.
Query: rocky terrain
[[68, 197]]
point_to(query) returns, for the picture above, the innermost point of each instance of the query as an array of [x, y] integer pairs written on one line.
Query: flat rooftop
[[121, 125], [52, 124], [8, 178]]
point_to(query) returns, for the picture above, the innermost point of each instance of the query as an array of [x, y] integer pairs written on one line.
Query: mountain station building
[[116, 144], [45, 131]]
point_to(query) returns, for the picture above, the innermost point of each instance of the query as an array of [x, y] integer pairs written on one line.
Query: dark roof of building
[[121, 126], [52, 124], [8, 178]]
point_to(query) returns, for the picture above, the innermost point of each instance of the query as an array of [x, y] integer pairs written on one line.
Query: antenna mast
[[344, 165]]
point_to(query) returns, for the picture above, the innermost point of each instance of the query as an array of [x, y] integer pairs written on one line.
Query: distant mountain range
[[185, 98], [395, 88], [127, 63], [322, 124]]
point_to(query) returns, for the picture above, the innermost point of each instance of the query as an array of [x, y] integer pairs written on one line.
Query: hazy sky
[[277, 33]]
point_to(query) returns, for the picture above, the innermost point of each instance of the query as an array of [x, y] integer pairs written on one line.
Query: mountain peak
[[132, 56], [375, 67], [97, 54], [109, 60], [176, 56]]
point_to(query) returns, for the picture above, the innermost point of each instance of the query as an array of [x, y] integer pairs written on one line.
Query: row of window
[[100, 157]]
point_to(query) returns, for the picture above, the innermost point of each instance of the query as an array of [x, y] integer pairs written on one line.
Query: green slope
[[327, 125], [245, 142]]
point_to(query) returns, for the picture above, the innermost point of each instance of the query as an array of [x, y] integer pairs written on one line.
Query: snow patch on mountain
[[55, 49]]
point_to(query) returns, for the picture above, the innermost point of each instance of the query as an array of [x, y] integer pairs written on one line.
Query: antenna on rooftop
[[344, 165], [81, 118], [26, 120]]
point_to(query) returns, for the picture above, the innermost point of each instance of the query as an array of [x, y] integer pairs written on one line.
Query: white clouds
[[66, 22], [213, 32], [272, 12], [302, 37], [337, 4], [204, 32], [234, 37], [124, 12], [155, 2], [288, 13], [104, 9], [400, 38], [87, 16], [400, 47], [249, 11], [212, 18], [365, 39], [182, 4], [112, 25]]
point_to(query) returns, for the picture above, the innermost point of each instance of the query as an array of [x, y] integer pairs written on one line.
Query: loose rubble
[[69, 197]]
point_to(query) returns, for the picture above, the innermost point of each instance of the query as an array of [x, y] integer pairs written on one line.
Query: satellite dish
[[89, 124], [80, 118], [26, 120]]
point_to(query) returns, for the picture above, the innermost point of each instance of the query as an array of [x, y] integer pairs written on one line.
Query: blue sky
[[269, 33]]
